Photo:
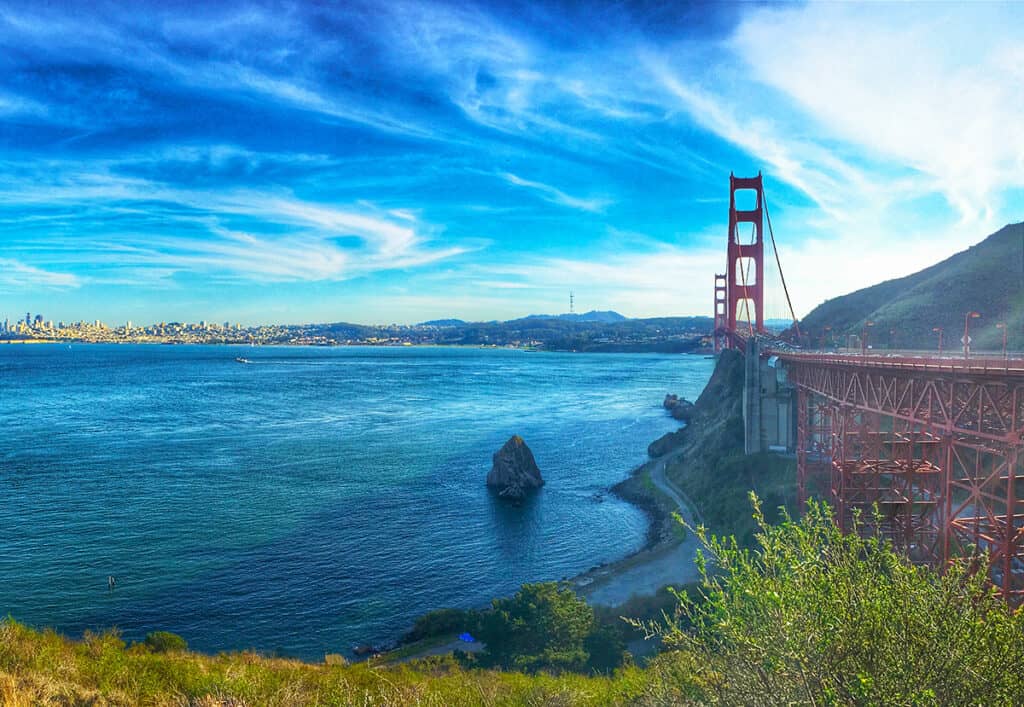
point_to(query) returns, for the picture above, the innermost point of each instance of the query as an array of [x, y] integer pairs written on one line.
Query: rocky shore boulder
[[514, 472], [680, 408]]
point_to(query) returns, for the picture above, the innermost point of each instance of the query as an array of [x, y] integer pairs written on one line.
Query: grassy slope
[[988, 278], [712, 469], [43, 668]]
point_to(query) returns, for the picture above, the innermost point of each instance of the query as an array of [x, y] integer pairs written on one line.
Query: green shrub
[[542, 627], [165, 642], [812, 616], [606, 651], [441, 622]]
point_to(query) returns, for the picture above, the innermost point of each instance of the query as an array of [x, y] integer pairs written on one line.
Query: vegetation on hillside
[[43, 668], [813, 616], [987, 278], [544, 626], [665, 334]]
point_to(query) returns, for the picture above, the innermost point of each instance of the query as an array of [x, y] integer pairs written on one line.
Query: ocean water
[[315, 498]]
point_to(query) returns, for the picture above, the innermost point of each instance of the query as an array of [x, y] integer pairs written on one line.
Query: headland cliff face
[[708, 463], [715, 422]]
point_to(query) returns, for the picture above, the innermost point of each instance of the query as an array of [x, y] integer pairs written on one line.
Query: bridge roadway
[[929, 361]]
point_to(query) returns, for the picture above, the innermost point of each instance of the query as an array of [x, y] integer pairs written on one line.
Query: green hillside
[[987, 278]]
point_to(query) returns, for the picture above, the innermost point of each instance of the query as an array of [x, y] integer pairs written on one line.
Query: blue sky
[[401, 161]]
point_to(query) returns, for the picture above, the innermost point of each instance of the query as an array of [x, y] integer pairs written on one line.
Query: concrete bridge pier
[[769, 404]]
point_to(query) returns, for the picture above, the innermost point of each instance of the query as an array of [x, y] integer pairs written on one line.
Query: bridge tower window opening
[[745, 236], [746, 313], [746, 273], [721, 312], [748, 200]]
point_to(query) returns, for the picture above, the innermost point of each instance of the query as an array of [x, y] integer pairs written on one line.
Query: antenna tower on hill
[[572, 303]]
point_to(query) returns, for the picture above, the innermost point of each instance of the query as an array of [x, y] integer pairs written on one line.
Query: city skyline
[[287, 162]]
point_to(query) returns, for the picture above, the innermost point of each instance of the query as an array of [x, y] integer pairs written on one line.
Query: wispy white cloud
[[556, 196], [660, 281], [12, 105], [876, 143], [936, 88], [15, 274], [192, 54], [287, 239]]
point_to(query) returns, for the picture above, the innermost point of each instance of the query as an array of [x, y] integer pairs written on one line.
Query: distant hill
[[987, 278], [441, 323], [668, 334], [605, 317]]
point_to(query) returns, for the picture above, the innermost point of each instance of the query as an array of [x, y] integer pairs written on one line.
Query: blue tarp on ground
[[466, 638]]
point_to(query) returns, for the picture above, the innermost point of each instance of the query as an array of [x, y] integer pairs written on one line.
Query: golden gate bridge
[[933, 443]]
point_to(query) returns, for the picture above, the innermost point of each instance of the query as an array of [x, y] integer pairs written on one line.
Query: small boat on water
[[239, 359]]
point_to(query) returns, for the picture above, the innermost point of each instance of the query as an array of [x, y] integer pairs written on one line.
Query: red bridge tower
[[744, 278]]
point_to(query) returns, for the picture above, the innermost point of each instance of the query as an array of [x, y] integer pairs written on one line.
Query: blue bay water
[[315, 498]]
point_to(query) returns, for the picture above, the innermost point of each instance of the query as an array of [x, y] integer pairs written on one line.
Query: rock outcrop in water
[[514, 472], [680, 408], [716, 412]]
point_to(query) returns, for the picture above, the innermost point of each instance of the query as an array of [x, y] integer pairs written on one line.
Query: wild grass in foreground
[[807, 617], [44, 668]]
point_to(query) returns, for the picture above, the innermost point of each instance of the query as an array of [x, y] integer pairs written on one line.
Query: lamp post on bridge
[[827, 332], [1002, 325], [864, 337], [939, 329], [967, 331]]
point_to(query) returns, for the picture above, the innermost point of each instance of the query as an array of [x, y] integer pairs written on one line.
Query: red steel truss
[[937, 445]]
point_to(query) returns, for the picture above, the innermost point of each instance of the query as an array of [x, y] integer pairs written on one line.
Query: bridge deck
[[1012, 365]]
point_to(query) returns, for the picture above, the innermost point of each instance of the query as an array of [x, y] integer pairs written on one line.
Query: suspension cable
[[778, 262]]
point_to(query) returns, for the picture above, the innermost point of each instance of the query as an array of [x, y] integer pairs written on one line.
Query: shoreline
[[668, 553], [336, 345]]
